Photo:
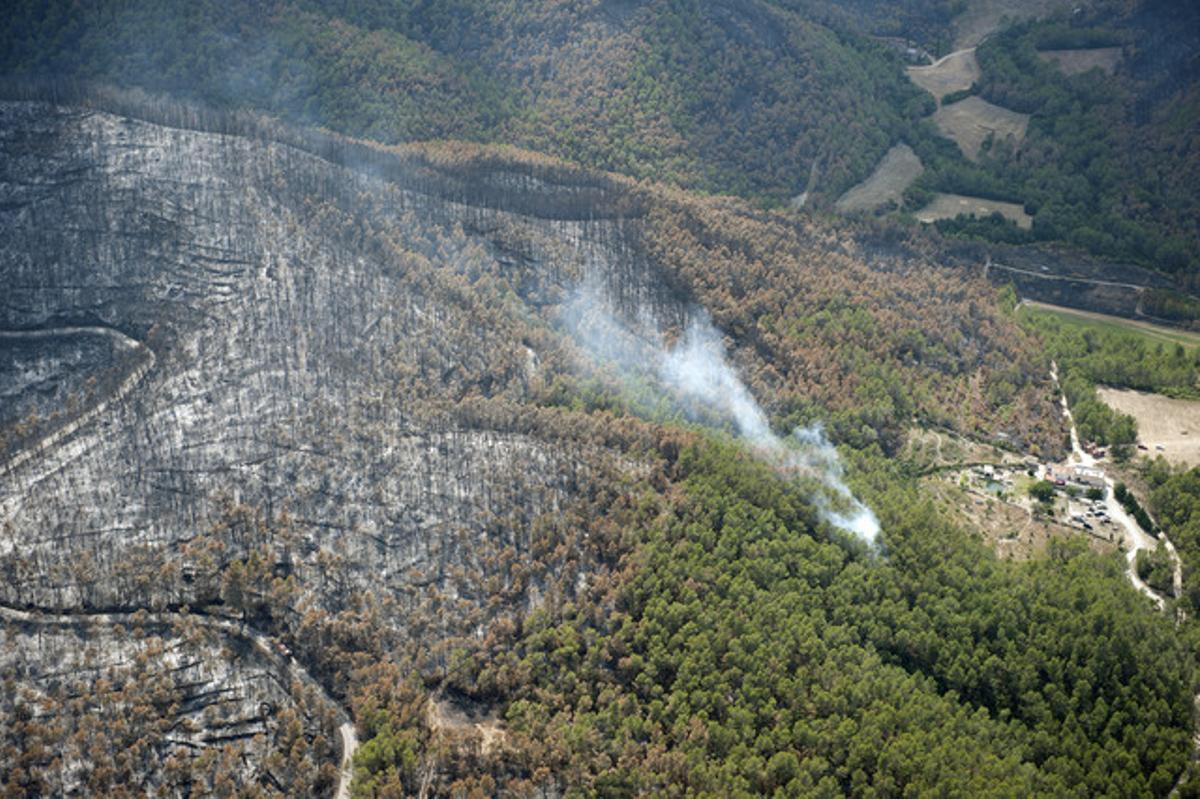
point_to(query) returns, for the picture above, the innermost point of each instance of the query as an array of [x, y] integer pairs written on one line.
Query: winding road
[[231, 627]]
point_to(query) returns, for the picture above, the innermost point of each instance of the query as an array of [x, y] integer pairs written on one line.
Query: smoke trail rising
[[701, 382]]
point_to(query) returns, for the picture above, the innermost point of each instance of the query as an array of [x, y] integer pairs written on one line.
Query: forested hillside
[[737, 97], [474, 518]]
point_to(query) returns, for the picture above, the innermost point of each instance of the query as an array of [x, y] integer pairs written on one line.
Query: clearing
[[985, 488], [1075, 62], [928, 449], [1168, 427], [1154, 334], [948, 206], [1005, 520], [895, 173], [482, 732], [970, 122], [950, 73]]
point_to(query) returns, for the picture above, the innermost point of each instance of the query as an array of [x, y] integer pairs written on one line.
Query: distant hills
[[779, 101]]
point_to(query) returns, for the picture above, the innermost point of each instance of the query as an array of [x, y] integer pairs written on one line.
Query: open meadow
[[887, 184], [952, 73], [948, 206], [1076, 62]]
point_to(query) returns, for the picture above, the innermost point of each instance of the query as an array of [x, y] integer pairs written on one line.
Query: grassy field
[[948, 206], [1074, 62], [895, 173], [953, 73], [971, 121], [1154, 334]]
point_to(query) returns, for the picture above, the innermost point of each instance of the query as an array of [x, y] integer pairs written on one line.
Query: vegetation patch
[[1075, 62], [981, 18], [1085, 322], [1090, 354]]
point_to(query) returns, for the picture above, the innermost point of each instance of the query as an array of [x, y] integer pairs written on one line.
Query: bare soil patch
[[481, 731], [892, 176], [951, 73], [970, 122], [1075, 62], [948, 206], [1167, 427]]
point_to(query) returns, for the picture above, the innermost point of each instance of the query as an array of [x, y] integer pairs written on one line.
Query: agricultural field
[[1076, 62], [1166, 426], [948, 206], [892, 176], [970, 122], [952, 73], [1085, 320]]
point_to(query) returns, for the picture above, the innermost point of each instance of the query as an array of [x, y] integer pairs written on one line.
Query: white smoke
[[702, 383]]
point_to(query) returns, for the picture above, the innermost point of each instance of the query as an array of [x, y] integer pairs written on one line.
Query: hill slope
[[369, 432]]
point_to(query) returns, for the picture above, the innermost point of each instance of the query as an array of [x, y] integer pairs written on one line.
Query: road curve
[[233, 628], [122, 341], [944, 59]]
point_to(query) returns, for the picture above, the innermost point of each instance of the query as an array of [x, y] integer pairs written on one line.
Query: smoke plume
[[700, 382]]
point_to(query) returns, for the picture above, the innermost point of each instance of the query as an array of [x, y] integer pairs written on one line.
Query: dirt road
[[1136, 538]]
